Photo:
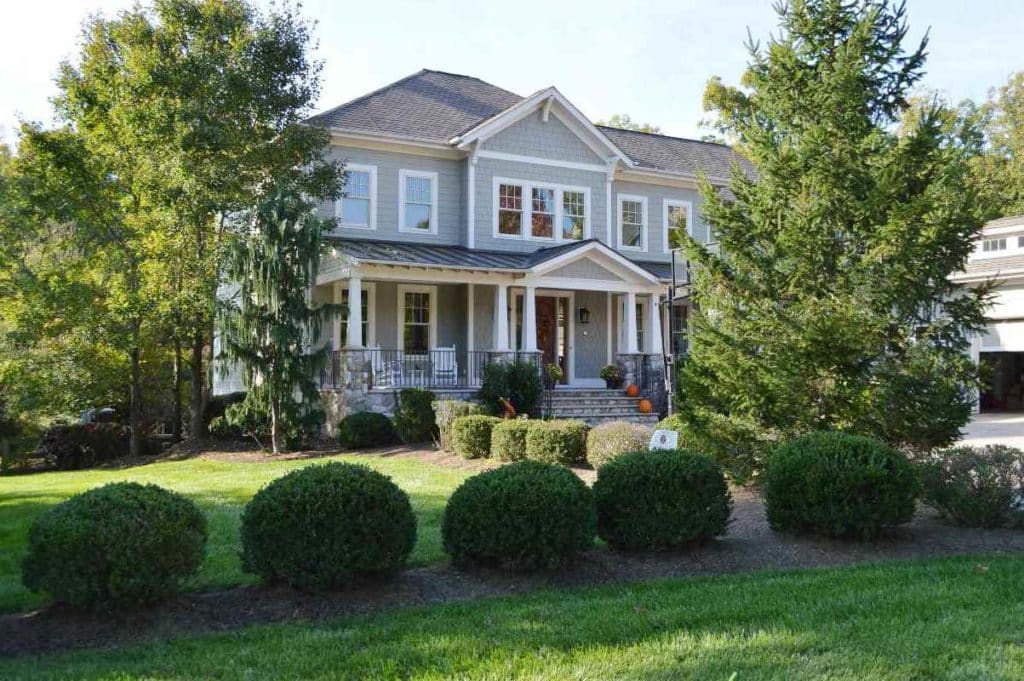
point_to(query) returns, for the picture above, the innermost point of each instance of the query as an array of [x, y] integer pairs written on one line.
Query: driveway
[[991, 429]]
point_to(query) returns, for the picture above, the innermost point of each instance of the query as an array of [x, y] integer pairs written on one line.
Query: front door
[[552, 336]]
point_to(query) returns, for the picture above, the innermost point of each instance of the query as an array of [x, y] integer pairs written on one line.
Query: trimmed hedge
[[366, 429], [976, 486], [122, 545], [838, 485], [82, 445], [608, 440], [658, 500], [445, 413], [524, 516], [414, 417], [508, 439], [471, 435], [321, 526], [562, 442]]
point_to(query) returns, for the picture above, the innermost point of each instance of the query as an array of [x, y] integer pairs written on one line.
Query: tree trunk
[[197, 394], [176, 427], [135, 415], [274, 421]]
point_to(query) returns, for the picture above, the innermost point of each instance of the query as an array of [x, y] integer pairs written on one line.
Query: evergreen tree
[[270, 325], [827, 303]]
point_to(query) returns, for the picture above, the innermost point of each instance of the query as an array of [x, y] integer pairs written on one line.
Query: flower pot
[[613, 384]]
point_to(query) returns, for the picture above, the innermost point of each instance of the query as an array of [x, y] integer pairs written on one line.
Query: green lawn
[[941, 619], [221, 488]]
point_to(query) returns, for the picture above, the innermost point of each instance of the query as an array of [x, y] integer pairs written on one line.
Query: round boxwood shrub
[[838, 485], [445, 413], [320, 526], [976, 487], [557, 441], [523, 516], [508, 440], [651, 501], [471, 435], [613, 438], [366, 429], [122, 545]]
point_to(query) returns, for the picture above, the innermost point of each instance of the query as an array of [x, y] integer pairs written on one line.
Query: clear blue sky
[[650, 58]]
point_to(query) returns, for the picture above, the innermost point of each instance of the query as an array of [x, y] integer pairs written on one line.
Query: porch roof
[[430, 255]]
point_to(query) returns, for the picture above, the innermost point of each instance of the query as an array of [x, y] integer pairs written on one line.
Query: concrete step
[[596, 412], [594, 402], [588, 392], [648, 420]]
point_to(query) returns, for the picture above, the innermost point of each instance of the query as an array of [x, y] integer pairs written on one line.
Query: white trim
[[372, 170], [645, 219], [432, 333], [675, 203], [349, 138], [570, 341], [371, 309], [527, 210], [470, 315], [471, 197], [619, 263], [403, 174], [540, 161]]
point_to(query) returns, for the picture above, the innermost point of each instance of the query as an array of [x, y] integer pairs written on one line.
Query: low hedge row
[[471, 435], [563, 441]]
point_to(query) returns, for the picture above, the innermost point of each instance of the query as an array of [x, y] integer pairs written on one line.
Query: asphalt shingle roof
[[1008, 221], [675, 154]]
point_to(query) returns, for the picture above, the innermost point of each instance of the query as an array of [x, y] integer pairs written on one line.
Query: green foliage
[[838, 485], [608, 440], [321, 526], [445, 412], [664, 499], [613, 373], [624, 122], [217, 405], [220, 429], [471, 435], [121, 545], [366, 429], [559, 441], [414, 417], [82, 445], [975, 486], [518, 382], [508, 439], [523, 516], [1000, 169], [739, 459], [828, 302]]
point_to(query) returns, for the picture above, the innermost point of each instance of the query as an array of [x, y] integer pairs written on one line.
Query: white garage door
[[1003, 337]]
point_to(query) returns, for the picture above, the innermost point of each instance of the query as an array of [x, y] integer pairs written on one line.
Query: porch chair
[[445, 367]]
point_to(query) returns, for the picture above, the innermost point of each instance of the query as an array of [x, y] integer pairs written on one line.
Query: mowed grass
[[221, 488], [957, 619]]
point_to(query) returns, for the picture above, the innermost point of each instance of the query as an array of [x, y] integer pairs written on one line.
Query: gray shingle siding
[[552, 140], [656, 195], [590, 343]]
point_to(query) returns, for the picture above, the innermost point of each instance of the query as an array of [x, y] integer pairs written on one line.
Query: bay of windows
[[552, 212]]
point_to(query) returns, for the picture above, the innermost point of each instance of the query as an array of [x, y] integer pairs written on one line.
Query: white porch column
[[530, 319], [631, 323], [336, 321], [470, 311], [355, 313], [654, 324], [501, 317]]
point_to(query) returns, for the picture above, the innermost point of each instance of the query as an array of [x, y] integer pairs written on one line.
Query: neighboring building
[[478, 223], [999, 255]]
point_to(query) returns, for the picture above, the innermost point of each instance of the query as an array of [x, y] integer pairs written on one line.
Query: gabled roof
[[437, 107]]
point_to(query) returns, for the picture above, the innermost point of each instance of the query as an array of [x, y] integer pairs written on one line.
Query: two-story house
[[478, 223], [999, 255]]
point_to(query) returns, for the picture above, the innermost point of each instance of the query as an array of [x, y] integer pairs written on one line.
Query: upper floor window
[[542, 215], [678, 217], [552, 212], [632, 222], [574, 215], [357, 208], [417, 207], [993, 245], [510, 209]]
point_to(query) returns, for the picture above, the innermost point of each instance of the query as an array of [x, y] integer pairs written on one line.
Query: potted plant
[[553, 375], [613, 376]]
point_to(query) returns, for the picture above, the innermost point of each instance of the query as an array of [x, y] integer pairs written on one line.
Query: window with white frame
[[542, 213], [640, 326], [993, 245], [678, 215], [510, 209], [357, 207], [680, 339], [574, 215], [632, 222], [417, 318], [418, 202]]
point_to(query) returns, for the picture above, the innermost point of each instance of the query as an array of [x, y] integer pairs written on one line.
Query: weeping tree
[[828, 304], [270, 325]]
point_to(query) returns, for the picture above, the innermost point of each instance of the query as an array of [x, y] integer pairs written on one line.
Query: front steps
[[595, 405]]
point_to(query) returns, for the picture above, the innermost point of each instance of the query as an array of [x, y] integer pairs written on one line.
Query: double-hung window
[[417, 207], [574, 215], [540, 211], [510, 209], [678, 215], [632, 222], [542, 215], [357, 208], [417, 319], [993, 245], [680, 340]]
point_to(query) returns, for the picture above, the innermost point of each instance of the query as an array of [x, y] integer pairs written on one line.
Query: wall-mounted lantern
[[584, 315]]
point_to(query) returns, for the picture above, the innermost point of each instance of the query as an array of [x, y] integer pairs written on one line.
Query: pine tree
[[270, 325], [827, 303]]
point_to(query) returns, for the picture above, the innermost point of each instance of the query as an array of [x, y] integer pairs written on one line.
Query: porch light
[[584, 315]]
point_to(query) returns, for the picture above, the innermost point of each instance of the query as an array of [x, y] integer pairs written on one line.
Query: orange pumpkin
[[644, 406], [633, 391]]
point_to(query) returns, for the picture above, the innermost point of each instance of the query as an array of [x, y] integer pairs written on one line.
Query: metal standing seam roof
[[430, 255]]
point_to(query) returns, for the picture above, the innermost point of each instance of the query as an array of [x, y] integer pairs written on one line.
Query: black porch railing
[[439, 368]]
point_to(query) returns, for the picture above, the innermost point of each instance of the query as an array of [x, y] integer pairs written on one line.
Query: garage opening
[[1004, 374]]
